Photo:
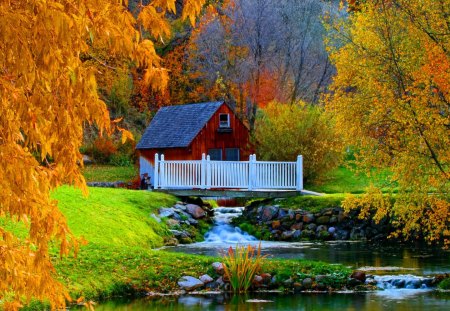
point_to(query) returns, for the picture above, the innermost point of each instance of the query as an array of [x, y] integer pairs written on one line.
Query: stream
[[401, 272]]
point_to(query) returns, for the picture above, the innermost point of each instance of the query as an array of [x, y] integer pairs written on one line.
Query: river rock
[[171, 241], [189, 283], [359, 275], [331, 230], [291, 214], [333, 219], [266, 278], [321, 228], [180, 206], [341, 234], [152, 215], [297, 234], [192, 221], [269, 212], [297, 226], [308, 218], [307, 234], [323, 220], [311, 227], [257, 281], [286, 235], [218, 267], [172, 223], [179, 234], [357, 234], [307, 283], [327, 212], [276, 224], [195, 210], [166, 212], [206, 279], [282, 213]]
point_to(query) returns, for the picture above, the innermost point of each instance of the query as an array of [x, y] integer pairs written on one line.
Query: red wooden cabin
[[185, 132]]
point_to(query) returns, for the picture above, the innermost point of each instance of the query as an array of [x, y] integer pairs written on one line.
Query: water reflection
[[419, 300], [391, 259]]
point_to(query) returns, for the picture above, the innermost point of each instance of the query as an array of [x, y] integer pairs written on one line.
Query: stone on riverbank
[[189, 283], [206, 279], [218, 268], [289, 224], [195, 210]]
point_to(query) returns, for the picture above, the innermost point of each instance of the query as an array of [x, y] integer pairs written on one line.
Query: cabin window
[[224, 120], [215, 154], [232, 154]]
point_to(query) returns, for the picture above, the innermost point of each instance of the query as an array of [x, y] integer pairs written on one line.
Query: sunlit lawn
[[345, 180], [109, 173]]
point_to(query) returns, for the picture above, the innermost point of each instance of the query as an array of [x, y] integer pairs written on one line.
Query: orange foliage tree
[[47, 93], [391, 97]]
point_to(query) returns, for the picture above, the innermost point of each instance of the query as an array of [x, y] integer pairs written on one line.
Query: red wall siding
[[209, 138]]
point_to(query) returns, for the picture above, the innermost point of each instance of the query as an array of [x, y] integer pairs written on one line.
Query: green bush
[[119, 159], [284, 131], [445, 284]]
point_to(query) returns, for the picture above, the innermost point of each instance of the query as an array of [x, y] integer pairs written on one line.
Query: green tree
[[283, 131]]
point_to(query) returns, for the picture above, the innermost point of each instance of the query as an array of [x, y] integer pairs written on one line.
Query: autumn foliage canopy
[[391, 97], [47, 93]]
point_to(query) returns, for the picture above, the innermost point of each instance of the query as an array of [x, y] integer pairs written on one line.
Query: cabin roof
[[177, 126]]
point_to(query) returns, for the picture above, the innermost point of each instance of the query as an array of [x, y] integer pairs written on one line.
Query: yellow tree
[[391, 97], [46, 94]]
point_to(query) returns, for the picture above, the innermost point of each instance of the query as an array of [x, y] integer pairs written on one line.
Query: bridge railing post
[[299, 175], [251, 171], [203, 172], [156, 172], [162, 172], [208, 172]]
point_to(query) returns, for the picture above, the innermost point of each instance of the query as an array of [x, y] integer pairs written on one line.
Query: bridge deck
[[231, 193]]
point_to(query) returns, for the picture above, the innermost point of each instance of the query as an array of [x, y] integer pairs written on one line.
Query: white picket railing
[[207, 174]]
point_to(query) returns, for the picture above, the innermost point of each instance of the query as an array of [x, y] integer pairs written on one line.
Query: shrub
[[445, 284], [120, 159], [284, 131], [102, 150], [241, 266]]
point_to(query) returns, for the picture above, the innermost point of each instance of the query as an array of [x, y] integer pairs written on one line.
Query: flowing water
[[401, 272]]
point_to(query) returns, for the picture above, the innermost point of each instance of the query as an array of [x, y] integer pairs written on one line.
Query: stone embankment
[[188, 221], [272, 222]]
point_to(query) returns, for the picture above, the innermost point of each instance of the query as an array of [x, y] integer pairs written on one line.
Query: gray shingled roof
[[177, 126]]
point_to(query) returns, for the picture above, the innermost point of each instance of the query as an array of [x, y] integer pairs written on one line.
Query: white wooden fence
[[207, 174]]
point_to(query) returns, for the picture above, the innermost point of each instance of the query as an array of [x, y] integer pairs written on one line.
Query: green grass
[[109, 173], [313, 203], [118, 258], [346, 180], [114, 216]]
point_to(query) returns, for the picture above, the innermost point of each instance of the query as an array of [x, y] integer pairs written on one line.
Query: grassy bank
[[346, 180], [118, 258], [109, 173]]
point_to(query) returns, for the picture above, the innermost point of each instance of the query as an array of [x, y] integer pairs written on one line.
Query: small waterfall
[[407, 281], [223, 231]]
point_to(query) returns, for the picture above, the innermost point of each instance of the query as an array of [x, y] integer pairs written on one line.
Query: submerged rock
[[189, 283]]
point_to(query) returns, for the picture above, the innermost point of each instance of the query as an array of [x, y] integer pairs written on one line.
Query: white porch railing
[[207, 174]]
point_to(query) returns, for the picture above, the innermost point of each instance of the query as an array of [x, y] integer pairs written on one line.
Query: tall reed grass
[[241, 266]]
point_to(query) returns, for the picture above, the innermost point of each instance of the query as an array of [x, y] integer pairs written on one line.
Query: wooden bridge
[[229, 178]]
